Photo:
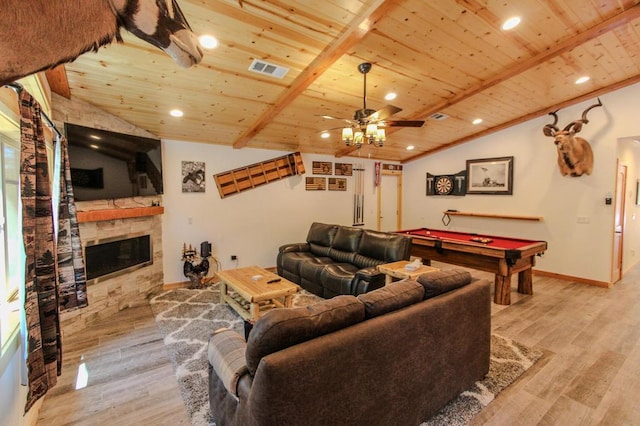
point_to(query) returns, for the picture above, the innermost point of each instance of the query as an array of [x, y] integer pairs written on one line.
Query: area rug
[[187, 318]]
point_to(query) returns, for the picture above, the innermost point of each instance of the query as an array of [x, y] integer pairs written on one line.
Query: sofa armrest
[[226, 354], [370, 273], [367, 279], [294, 247]]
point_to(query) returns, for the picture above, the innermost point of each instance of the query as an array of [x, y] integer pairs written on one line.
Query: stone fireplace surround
[[103, 219], [125, 291]]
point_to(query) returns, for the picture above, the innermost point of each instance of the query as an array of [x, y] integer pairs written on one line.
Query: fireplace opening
[[110, 257]]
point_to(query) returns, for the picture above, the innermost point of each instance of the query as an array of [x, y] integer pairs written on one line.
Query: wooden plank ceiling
[[440, 56]]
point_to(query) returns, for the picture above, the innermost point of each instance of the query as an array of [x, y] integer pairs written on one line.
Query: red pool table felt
[[505, 243]]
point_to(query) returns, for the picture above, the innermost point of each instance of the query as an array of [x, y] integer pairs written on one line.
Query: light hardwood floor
[[590, 337], [130, 380]]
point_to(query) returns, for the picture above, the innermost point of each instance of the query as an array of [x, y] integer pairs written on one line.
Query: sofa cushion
[[281, 328], [383, 245], [392, 297], [226, 355], [373, 244], [347, 239], [321, 234], [337, 278], [438, 282]]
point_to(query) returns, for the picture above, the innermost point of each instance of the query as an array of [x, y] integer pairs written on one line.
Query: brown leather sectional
[[387, 357]]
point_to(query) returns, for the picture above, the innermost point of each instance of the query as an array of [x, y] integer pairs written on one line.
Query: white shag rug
[[188, 317]]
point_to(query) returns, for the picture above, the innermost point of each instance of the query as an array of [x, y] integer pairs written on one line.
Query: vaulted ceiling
[[441, 56]]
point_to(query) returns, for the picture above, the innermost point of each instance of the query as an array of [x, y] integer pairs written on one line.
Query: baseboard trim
[[596, 283]]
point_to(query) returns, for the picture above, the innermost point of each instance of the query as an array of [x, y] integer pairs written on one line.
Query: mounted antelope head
[[575, 156], [35, 36]]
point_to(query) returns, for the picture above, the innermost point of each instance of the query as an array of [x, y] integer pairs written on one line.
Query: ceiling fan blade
[[383, 113], [330, 117], [404, 123]]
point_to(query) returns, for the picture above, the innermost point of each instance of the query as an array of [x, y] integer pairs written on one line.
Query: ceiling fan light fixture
[[368, 125], [358, 138], [347, 135], [372, 130]]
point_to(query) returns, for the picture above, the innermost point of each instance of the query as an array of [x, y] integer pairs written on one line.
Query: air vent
[[438, 116], [266, 68]]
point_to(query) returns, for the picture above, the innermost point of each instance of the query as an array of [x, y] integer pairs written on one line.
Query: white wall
[[253, 224], [580, 250], [250, 224]]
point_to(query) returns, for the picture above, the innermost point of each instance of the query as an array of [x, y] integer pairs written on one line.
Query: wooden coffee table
[[251, 297], [396, 270]]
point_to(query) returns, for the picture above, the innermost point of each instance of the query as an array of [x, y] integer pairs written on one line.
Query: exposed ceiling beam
[[520, 67], [57, 79], [591, 95], [354, 32]]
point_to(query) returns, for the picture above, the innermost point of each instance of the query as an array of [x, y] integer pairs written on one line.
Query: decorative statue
[[39, 35], [575, 156], [195, 266]]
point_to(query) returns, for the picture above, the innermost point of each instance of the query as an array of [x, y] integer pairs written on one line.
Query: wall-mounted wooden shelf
[[257, 174], [496, 216], [112, 214]]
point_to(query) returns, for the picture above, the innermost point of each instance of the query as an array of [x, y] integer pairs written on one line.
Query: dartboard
[[444, 185]]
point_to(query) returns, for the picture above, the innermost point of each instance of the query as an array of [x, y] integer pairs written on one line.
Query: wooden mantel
[[123, 213]]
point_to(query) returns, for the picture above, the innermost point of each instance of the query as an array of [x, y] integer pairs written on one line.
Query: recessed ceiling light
[[477, 121], [390, 96], [410, 148], [583, 79], [511, 23], [325, 135], [176, 113], [208, 41]]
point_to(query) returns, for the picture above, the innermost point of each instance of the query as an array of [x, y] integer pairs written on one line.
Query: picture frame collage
[[321, 183]]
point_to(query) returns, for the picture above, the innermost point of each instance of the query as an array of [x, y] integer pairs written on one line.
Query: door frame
[[617, 262], [398, 175]]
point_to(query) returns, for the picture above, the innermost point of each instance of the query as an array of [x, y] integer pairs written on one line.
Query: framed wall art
[[337, 184], [343, 169], [322, 168], [315, 183], [193, 176], [490, 176]]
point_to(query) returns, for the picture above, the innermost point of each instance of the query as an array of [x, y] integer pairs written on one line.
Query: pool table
[[503, 256]]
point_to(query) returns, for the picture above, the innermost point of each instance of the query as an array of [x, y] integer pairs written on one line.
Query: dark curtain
[[72, 284], [44, 351]]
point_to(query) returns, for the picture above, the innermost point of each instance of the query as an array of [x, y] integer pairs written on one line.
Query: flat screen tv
[[108, 165]]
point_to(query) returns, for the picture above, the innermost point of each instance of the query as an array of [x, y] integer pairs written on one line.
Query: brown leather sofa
[[387, 357], [339, 260]]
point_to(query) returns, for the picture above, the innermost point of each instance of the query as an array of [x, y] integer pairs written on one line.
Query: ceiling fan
[[368, 125]]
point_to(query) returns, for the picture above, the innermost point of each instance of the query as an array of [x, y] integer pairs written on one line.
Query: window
[[11, 246]]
